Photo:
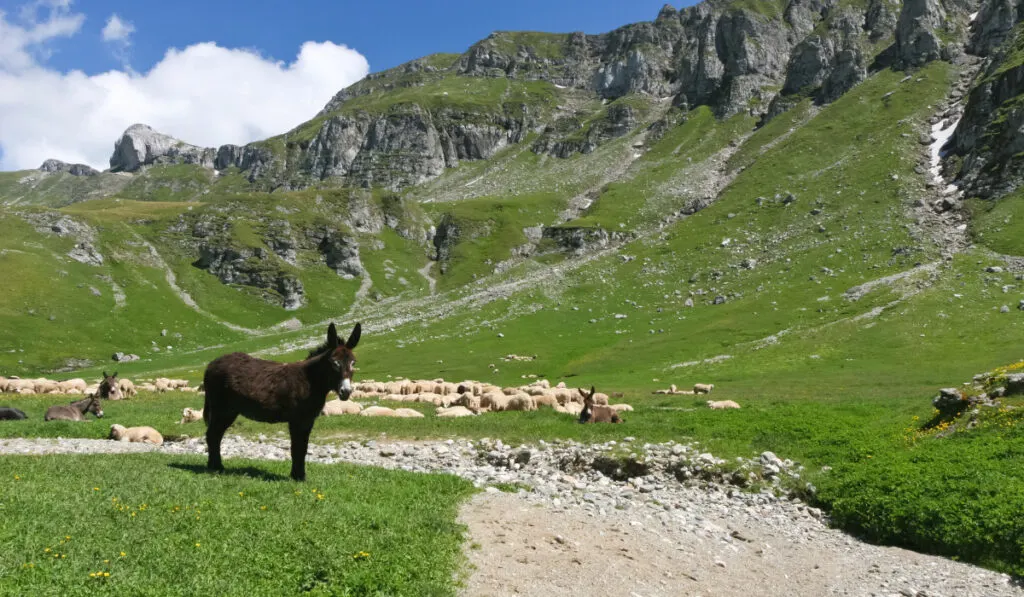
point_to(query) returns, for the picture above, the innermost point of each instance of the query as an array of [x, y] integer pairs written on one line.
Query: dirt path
[[520, 548]]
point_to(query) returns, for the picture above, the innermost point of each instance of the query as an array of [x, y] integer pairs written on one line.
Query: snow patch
[[974, 15], [941, 136]]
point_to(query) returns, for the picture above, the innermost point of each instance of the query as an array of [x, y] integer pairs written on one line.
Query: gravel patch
[[625, 519]]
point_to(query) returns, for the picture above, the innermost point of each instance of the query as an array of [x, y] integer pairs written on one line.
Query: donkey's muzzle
[[345, 389]]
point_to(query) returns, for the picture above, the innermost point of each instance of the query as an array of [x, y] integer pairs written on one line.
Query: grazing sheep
[[493, 401], [722, 404], [571, 408], [455, 411], [521, 402], [127, 388], [469, 401], [46, 386], [143, 435], [72, 386], [377, 411], [620, 407], [546, 399], [408, 413], [340, 407], [592, 413], [703, 388], [601, 399], [8, 413], [191, 415]]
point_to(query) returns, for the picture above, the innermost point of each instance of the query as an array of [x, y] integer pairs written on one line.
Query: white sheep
[[620, 407], [145, 435], [521, 402], [703, 388], [493, 401], [722, 404], [67, 386], [454, 411], [190, 415], [408, 413], [127, 388], [377, 411], [340, 407]]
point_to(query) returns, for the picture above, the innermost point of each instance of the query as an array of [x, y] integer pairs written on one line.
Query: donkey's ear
[[354, 338], [114, 375], [582, 392], [332, 336], [592, 391], [105, 374]]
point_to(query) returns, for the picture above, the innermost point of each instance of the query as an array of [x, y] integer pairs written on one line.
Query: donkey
[[110, 387], [271, 392], [592, 413], [75, 411], [8, 413]]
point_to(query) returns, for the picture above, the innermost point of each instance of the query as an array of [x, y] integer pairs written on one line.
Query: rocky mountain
[[537, 150]]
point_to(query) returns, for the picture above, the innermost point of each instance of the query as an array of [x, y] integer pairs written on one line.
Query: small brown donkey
[[592, 413], [271, 392]]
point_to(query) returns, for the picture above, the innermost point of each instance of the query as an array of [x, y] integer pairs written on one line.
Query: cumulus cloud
[[203, 94], [117, 30]]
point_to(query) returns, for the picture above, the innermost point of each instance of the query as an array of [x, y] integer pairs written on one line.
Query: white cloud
[[117, 30], [204, 94]]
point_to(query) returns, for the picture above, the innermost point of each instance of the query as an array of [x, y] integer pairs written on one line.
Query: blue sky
[[387, 33], [74, 75]]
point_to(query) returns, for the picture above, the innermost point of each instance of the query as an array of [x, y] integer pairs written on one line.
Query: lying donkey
[[592, 413], [75, 411]]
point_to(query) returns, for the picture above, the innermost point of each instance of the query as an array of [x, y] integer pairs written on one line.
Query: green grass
[[994, 224], [546, 46], [159, 525]]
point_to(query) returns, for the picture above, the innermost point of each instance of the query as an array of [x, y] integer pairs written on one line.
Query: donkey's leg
[[300, 431], [215, 428]]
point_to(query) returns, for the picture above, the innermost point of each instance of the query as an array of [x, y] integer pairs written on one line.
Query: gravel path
[[582, 523]]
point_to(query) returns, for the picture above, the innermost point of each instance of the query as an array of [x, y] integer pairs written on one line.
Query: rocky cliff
[[407, 125], [985, 153]]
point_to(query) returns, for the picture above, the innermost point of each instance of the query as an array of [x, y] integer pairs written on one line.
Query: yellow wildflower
[[123, 554], [198, 544]]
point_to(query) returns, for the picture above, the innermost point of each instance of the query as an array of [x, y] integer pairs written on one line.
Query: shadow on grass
[[245, 471]]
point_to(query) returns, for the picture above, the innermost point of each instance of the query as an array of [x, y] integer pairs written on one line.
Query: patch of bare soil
[[521, 548]]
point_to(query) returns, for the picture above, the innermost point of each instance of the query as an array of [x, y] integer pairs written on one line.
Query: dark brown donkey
[[75, 411], [592, 413], [271, 392]]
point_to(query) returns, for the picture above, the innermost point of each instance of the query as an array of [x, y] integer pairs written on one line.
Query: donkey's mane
[[319, 350]]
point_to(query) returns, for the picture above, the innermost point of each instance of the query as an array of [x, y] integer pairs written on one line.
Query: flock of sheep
[[465, 399], [16, 385]]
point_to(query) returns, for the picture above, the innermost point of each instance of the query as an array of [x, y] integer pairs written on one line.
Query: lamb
[[190, 415], [592, 413], [127, 388], [722, 404], [340, 407], [455, 411], [145, 435], [703, 388]]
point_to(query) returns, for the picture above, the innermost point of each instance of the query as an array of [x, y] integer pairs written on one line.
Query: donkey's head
[[110, 387], [94, 407], [338, 353], [588, 404]]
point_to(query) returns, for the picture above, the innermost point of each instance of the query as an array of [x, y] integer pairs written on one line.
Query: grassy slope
[[157, 525], [797, 355]]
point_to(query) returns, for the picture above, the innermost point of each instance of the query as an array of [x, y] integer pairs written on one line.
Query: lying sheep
[[620, 407], [592, 413], [493, 401], [703, 388], [190, 415], [469, 401], [454, 411], [571, 408], [145, 435], [408, 413], [340, 407], [72, 386], [377, 411], [722, 404], [521, 402]]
